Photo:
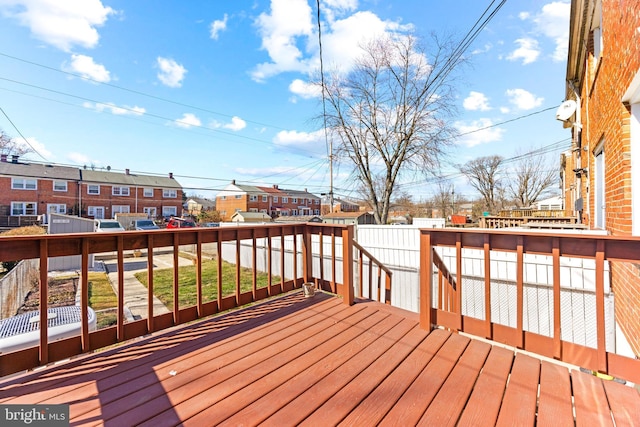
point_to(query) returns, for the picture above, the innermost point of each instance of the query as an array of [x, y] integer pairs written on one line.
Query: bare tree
[[485, 175], [443, 199], [10, 147], [389, 115], [531, 179]]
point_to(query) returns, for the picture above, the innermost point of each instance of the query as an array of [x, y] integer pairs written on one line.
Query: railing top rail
[[568, 234], [372, 258]]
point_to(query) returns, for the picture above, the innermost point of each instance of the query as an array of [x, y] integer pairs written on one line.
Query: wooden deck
[[316, 362]]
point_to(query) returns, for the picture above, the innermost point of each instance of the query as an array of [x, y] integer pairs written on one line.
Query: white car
[[108, 225]]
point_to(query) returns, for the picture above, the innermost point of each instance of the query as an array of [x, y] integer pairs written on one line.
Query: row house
[[274, 201], [33, 190], [339, 205], [601, 173]]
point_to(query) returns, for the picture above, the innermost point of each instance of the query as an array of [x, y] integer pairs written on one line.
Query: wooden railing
[[435, 288], [295, 245], [381, 270]]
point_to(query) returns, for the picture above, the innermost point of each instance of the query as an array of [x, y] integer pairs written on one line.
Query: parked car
[[180, 223], [144, 224], [108, 225]]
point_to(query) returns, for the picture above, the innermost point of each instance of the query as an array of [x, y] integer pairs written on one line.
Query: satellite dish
[[566, 110]]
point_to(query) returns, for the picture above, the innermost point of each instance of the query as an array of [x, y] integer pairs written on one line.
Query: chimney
[[3, 158], [275, 186], [126, 171], [233, 182], [171, 175], [14, 158]]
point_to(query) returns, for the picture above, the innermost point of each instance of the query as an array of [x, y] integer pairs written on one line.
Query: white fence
[[398, 248]]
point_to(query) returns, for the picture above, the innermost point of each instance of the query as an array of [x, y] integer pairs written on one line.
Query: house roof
[[205, 203], [346, 214], [299, 218], [252, 216], [36, 170], [108, 177]]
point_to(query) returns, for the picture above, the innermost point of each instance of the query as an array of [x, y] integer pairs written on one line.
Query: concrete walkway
[[135, 293]]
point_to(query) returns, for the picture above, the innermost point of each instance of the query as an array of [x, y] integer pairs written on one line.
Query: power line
[[20, 133]]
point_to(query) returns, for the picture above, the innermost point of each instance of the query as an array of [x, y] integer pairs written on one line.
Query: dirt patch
[[62, 292]]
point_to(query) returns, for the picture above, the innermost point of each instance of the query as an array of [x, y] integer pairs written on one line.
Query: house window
[[295, 200], [597, 31], [24, 184], [93, 189], [255, 210], [147, 192], [238, 196], [275, 199], [115, 209], [120, 191], [264, 211], [169, 211], [96, 211], [316, 212], [223, 197], [265, 198], [316, 201], [152, 212], [59, 185], [253, 198], [169, 194], [600, 202], [285, 200], [23, 208], [294, 212], [57, 208]]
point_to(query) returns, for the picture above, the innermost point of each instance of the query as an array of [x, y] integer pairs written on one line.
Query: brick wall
[[606, 119]]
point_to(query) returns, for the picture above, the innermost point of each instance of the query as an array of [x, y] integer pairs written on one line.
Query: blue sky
[[217, 90]]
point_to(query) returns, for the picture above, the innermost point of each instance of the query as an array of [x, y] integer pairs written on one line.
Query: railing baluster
[[270, 262], [120, 262], [44, 302], [333, 263], [282, 259], [347, 265], [219, 267], [600, 331], [295, 256], [238, 265], [150, 322], [457, 290], [487, 286], [520, 290], [199, 274], [176, 278], [321, 238], [84, 295], [557, 338], [361, 273], [254, 263]]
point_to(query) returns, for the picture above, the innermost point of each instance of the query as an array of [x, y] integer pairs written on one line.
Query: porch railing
[[442, 292], [288, 265]]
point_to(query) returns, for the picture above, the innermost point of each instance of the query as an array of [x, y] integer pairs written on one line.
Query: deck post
[[307, 258], [426, 277], [347, 265]]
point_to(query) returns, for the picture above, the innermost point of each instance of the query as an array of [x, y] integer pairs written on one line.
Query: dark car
[[144, 224], [180, 223]]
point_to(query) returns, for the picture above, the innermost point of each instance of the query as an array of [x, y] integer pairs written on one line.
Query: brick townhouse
[[603, 80], [30, 191], [273, 201]]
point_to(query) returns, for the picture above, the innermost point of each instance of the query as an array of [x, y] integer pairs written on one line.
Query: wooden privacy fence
[[441, 292], [291, 274]]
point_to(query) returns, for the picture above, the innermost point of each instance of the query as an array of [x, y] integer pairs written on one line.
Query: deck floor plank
[[338, 406], [383, 398], [317, 361], [624, 402], [520, 399], [486, 398], [411, 406], [446, 407], [591, 405], [554, 406]]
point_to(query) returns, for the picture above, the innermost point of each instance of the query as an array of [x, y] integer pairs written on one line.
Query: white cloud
[[478, 132], [476, 101], [313, 142], [218, 26], [305, 89], [528, 51], [288, 36], [553, 22], [188, 120], [236, 124], [80, 158], [523, 100], [114, 109], [86, 67], [34, 144], [63, 24], [171, 73]]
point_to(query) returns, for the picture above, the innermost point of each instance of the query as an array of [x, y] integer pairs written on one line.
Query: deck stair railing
[[368, 261]]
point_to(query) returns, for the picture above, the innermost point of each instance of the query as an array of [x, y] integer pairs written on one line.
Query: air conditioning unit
[[23, 331]]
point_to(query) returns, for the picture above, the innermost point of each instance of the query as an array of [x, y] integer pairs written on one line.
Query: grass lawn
[[102, 299], [163, 282]]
